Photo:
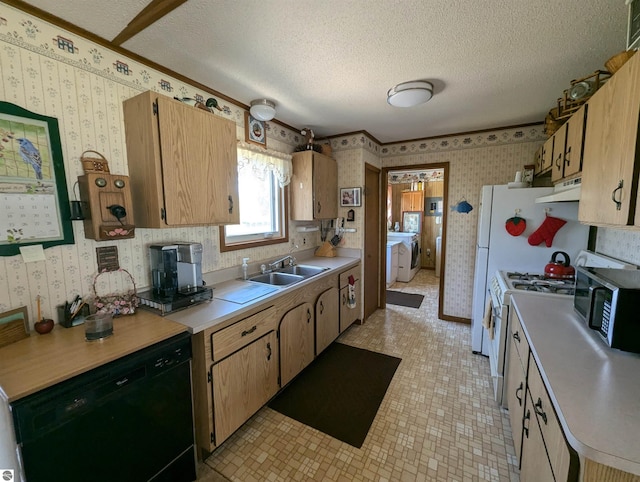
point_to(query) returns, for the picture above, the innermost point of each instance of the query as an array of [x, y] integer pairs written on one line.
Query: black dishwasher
[[128, 420]]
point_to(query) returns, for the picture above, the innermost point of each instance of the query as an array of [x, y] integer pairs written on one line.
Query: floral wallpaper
[[53, 72]]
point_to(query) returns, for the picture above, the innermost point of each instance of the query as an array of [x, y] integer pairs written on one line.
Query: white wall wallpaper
[[83, 89], [84, 86]]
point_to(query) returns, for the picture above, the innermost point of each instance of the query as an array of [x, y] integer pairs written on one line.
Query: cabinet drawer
[[519, 340], [344, 277], [231, 339], [557, 447]]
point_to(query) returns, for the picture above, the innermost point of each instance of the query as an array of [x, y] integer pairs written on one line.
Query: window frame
[[224, 247]]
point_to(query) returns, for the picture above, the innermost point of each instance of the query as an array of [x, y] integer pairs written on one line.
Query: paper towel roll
[[518, 176]]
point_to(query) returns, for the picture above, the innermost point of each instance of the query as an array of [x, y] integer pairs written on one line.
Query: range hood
[[563, 192]]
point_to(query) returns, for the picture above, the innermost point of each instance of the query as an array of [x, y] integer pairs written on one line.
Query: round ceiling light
[[263, 109], [410, 94]]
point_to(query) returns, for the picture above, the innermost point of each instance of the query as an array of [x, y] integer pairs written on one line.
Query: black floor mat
[[340, 392], [404, 299]]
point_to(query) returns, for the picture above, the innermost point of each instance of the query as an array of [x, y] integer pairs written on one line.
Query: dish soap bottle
[[245, 269]]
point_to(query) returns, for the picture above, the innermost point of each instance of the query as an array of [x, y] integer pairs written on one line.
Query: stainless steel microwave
[[609, 300]]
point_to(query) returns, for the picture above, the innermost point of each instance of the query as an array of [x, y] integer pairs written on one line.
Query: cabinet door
[[610, 149], [325, 187], [412, 201], [535, 465], [349, 315], [537, 161], [563, 460], [547, 155], [559, 140], [296, 341], [199, 165], [327, 319], [242, 384], [516, 392], [574, 144]]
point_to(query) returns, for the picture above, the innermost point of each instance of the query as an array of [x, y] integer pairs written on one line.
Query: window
[[262, 179]]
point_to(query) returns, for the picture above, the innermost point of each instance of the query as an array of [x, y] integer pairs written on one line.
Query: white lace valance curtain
[[261, 161]]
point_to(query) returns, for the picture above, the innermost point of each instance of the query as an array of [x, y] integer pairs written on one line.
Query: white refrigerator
[[496, 249]]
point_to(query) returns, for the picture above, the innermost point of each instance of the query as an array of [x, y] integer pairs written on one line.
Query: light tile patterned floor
[[437, 422]]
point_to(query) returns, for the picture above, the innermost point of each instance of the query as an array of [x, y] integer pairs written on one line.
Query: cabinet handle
[[230, 205], [249, 331], [567, 156], [321, 307], [268, 351], [319, 206], [527, 418], [540, 411], [344, 299], [558, 161], [516, 336], [519, 389], [308, 315], [613, 196]]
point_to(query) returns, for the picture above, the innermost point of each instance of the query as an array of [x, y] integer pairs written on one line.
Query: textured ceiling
[[328, 64]]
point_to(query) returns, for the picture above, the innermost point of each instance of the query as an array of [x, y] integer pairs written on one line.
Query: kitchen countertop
[[594, 388], [219, 313], [40, 361]]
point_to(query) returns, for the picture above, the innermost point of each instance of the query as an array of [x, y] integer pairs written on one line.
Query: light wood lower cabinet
[[516, 393], [327, 319], [243, 383], [535, 465], [541, 447], [238, 367], [297, 329], [349, 315]]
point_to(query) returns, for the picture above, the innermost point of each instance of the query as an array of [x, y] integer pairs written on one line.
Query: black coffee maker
[[164, 269]]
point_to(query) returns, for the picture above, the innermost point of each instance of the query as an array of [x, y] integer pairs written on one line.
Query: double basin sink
[[288, 275]]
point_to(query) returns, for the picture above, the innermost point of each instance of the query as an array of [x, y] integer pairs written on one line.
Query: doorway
[[421, 190], [372, 238]]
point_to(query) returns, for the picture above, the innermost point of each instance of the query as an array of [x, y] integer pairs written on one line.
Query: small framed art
[[254, 130], [349, 196]]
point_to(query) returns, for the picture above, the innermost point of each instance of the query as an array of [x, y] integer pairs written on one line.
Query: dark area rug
[[340, 392], [404, 299]]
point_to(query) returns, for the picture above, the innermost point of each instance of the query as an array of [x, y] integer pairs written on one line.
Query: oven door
[[497, 344]]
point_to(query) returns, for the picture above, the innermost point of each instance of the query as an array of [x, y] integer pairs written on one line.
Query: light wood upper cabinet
[[327, 319], [412, 201], [546, 160], [182, 163], [242, 383], [557, 163], [314, 187], [297, 330], [575, 141], [609, 167]]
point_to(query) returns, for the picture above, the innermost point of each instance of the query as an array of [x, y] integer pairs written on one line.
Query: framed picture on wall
[[412, 221], [254, 130], [34, 203], [350, 196]]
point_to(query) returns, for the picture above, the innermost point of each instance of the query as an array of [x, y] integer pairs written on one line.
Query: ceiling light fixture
[[410, 94], [263, 109]]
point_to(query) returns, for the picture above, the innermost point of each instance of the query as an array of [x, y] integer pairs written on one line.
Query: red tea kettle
[[557, 270]]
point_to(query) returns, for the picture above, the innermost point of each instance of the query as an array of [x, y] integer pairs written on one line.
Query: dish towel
[[351, 294], [487, 321]]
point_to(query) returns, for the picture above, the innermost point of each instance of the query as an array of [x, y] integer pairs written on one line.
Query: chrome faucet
[[281, 261]]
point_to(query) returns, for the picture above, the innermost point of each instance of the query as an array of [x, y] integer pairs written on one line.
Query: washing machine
[[408, 254]]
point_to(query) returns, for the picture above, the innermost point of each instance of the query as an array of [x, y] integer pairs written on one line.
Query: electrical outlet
[[304, 240], [428, 252]]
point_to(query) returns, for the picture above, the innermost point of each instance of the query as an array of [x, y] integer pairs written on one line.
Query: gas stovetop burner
[[558, 287]]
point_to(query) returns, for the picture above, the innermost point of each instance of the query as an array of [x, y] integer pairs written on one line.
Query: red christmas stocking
[[546, 231]]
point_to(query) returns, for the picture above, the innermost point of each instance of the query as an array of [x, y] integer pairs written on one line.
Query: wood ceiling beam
[[150, 14]]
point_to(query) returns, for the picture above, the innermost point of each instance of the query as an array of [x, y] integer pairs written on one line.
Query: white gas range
[[503, 285]]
